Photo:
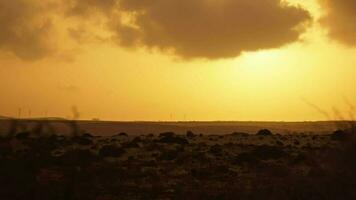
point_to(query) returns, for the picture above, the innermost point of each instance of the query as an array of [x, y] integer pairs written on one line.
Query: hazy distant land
[[106, 128]]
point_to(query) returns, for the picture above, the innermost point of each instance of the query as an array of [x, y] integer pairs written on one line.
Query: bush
[[190, 134], [216, 150], [260, 153], [169, 155], [23, 135], [78, 157], [82, 140], [173, 140], [239, 134], [339, 135], [123, 134], [264, 132], [167, 134]]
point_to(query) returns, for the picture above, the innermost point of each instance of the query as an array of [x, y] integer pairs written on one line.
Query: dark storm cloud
[[190, 28], [21, 30], [340, 19], [210, 28]]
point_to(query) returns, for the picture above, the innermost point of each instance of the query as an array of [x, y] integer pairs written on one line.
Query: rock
[[264, 132]]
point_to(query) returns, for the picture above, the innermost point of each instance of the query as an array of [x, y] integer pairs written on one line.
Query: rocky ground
[[170, 166]]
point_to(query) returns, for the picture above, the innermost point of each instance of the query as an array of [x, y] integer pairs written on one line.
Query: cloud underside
[[22, 31], [211, 29], [190, 29], [340, 20]]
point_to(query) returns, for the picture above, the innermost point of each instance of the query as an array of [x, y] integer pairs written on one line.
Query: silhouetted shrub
[[5, 149], [239, 134], [202, 173], [123, 134], [245, 157], [301, 157], [190, 134], [135, 143], [169, 155], [216, 150], [82, 140], [264, 132], [87, 135], [266, 152], [173, 140], [167, 134], [23, 135], [137, 140], [260, 153], [78, 157], [339, 135]]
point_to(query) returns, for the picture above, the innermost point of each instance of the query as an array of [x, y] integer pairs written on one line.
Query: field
[[191, 160]]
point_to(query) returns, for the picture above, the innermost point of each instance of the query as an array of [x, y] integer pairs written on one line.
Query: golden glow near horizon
[[114, 83]]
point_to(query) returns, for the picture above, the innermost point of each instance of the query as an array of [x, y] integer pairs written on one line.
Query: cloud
[[340, 20], [23, 31], [87, 7], [69, 88], [190, 28], [210, 28]]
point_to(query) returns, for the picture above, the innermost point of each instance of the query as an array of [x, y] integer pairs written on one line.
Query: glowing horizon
[[174, 79]]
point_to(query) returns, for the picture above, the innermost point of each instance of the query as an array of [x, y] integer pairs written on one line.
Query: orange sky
[[178, 60]]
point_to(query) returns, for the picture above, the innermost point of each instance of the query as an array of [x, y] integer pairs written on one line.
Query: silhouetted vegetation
[[264, 132], [38, 164]]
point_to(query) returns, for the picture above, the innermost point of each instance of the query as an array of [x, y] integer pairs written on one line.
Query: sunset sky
[[259, 60]]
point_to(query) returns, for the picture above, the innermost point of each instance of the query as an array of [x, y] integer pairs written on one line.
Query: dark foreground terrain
[[34, 165]]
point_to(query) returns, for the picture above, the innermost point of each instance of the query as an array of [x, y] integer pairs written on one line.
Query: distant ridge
[[38, 118], [48, 118], [5, 117]]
